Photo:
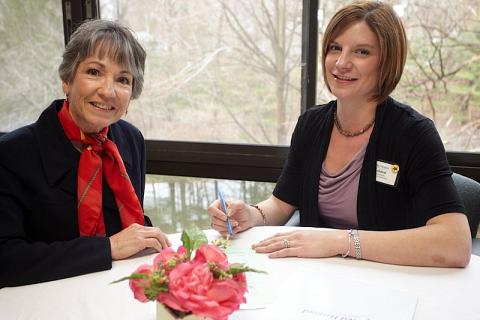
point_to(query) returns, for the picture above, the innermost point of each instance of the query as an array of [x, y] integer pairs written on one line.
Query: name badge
[[387, 173]]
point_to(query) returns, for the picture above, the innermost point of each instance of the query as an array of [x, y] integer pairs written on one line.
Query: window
[[31, 45], [217, 71]]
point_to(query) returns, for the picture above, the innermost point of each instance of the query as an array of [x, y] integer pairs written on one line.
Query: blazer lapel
[[59, 157]]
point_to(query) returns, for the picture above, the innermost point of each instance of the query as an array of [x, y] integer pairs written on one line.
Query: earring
[[126, 111]]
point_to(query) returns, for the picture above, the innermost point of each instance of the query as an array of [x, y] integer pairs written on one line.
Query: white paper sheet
[[346, 299], [259, 293]]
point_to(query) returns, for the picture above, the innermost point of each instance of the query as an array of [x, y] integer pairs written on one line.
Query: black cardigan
[[39, 237], [401, 135]]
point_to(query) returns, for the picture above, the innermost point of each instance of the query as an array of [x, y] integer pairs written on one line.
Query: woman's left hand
[[304, 244], [135, 238]]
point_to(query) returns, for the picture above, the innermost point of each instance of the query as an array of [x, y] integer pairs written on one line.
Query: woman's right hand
[[135, 238], [238, 212]]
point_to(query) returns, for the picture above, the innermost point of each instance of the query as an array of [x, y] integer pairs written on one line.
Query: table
[[441, 293]]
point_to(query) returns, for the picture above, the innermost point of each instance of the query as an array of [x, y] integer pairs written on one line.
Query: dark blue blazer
[[39, 237]]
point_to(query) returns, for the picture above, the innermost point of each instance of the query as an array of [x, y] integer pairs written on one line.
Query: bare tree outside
[[269, 36], [218, 70], [442, 75], [31, 46]]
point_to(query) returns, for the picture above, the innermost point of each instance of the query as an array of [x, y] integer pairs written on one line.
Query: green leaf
[[132, 276], [192, 238], [239, 268]]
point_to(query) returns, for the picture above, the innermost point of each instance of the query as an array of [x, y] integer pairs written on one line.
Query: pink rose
[[228, 294], [193, 288], [178, 279], [210, 253], [138, 285], [168, 255]]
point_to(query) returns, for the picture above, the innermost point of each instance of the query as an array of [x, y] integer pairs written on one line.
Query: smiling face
[[352, 64], [99, 93]]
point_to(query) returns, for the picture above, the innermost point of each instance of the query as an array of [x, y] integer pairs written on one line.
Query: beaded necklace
[[348, 133]]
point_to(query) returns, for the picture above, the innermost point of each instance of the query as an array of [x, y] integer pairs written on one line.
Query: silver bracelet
[[348, 249], [353, 233]]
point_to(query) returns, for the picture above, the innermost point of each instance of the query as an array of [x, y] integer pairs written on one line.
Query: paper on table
[[341, 298], [259, 293]]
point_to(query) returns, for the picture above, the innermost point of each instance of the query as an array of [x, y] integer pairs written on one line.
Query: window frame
[[248, 162], [76, 11]]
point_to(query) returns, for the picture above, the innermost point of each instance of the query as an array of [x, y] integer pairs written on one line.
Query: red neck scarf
[[100, 157]]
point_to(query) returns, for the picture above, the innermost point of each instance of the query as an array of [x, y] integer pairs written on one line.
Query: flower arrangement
[[206, 285]]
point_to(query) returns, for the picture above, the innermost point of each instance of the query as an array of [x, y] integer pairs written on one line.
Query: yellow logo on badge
[[395, 168]]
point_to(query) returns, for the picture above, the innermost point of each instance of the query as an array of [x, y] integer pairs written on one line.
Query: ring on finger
[[286, 244]]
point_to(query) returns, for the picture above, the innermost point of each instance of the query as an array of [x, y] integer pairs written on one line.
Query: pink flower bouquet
[[207, 285]]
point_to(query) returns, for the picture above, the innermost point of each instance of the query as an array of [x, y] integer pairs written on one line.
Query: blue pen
[[224, 208]]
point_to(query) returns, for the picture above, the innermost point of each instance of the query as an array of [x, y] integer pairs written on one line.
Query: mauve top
[[337, 194]]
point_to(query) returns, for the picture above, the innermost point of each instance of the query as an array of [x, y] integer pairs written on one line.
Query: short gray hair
[[109, 38]]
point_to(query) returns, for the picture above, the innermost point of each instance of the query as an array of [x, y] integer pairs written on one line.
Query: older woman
[[370, 168], [72, 183]]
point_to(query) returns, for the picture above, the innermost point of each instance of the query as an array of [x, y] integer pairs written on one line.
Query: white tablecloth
[[440, 293]]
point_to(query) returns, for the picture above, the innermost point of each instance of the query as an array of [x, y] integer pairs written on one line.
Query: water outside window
[[172, 203]]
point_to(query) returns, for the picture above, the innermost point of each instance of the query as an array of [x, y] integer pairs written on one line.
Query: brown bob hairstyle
[[387, 26]]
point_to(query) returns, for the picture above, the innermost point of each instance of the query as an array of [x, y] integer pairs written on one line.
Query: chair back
[[469, 191]]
